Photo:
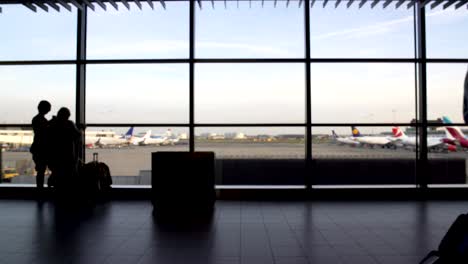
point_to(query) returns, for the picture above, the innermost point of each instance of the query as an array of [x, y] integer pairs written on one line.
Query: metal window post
[[422, 159], [192, 78], [81, 71], [308, 100]]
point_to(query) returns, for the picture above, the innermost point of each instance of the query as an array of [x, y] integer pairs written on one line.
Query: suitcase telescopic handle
[[95, 157]]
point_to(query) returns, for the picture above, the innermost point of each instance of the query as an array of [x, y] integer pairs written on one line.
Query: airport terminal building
[[355, 101], [237, 77]]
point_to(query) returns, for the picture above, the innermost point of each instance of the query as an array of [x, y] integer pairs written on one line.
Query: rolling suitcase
[[96, 178]]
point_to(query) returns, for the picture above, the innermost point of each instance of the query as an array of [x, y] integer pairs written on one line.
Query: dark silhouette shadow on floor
[[184, 220]]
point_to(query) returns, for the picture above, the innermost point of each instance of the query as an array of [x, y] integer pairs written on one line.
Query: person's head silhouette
[[43, 107], [63, 114]]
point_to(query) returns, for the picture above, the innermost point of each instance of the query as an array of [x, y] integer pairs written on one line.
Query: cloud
[[258, 49], [390, 25], [368, 30], [143, 48]]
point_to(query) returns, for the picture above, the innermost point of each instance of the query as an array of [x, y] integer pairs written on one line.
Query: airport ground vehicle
[[8, 174]]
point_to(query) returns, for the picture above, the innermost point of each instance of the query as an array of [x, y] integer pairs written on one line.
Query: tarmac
[[132, 160]]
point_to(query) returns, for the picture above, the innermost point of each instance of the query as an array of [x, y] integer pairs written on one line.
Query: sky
[[233, 93]]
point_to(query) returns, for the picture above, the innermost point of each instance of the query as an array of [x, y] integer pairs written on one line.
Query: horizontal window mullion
[[251, 125], [137, 125], [365, 124], [38, 62]]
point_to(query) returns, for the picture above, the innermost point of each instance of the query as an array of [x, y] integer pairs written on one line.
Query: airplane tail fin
[[446, 120], [334, 135], [457, 130], [129, 133], [398, 133], [448, 135], [147, 135], [454, 133], [355, 132], [169, 133]]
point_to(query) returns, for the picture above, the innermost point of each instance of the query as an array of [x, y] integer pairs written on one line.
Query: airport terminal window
[[445, 31], [382, 156], [445, 89], [149, 34], [143, 93], [251, 30], [127, 150], [249, 93], [255, 155], [17, 164], [22, 88], [447, 169], [361, 32], [362, 93], [37, 36], [228, 93], [251, 142]]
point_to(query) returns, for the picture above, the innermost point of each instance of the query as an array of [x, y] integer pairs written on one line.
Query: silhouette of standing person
[[64, 139], [39, 146], [465, 99]]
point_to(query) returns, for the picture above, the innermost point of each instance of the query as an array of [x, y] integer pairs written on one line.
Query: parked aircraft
[[447, 121], [434, 143], [165, 139], [110, 140], [152, 140], [459, 138], [384, 142], [344, 140]]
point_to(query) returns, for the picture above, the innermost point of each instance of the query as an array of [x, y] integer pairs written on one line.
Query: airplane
[[344, 140], [110, 140], [166, 139], [455, 134], [432, 142], [152, 140], [447, 121], [384, 142], [459, 139]]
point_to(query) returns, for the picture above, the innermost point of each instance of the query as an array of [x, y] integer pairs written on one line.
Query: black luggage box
[[183, 181]]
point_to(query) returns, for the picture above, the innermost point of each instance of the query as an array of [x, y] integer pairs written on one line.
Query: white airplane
[[384, 142], [344, 140], [432, 142], [152, 140], [110, 140]]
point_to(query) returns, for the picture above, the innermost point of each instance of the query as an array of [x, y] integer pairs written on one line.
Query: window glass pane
[[361, 32], [446, 32], [250, 30], [128, 154], [448, 168], [362, 156], [445, 88], [139, 34], [362, 93], [37, 36], [16, 160], [248, 142], [255, 155], [22, 87], [145, 93], [249, 93]]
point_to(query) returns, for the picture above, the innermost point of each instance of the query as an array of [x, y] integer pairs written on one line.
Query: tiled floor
[[240, 232]]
